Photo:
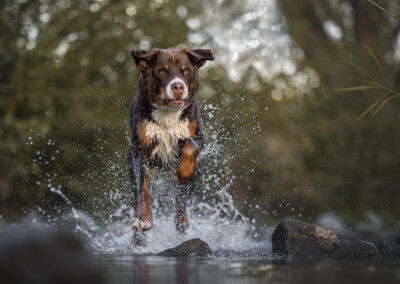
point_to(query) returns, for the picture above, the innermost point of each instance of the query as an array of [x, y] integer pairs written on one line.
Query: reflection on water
[[154, 269]]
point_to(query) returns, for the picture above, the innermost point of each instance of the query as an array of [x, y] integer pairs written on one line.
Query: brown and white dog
[[165, 123]]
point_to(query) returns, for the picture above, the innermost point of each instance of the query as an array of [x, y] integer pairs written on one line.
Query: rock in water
[[389, 249], [41, 256], [292, 237], [356, 249], [193, 247]]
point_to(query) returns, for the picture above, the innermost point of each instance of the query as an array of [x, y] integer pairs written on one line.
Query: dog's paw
[[184, 181], [139, 225]]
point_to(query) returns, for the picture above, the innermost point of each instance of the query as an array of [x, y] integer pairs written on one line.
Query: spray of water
[[212, 213]]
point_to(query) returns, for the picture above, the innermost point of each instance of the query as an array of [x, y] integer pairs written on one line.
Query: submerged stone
[[389, 249], [292, 237], [356, 249], [193, 247]]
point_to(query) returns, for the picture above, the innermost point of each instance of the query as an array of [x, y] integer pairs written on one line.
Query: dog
[[165, 124]]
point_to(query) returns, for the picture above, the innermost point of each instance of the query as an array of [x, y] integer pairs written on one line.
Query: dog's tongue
[[176, 102]]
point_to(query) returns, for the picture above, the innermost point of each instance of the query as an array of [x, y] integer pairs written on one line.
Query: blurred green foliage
[[66, 81]]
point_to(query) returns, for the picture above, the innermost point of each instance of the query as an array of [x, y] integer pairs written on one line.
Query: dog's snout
[[178, 89]]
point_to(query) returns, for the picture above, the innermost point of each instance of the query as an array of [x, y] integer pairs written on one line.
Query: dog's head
[[170, 76]]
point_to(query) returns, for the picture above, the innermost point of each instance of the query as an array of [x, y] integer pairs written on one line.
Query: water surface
[[156, 269]]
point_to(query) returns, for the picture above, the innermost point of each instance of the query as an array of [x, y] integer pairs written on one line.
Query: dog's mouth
[[177, 102]]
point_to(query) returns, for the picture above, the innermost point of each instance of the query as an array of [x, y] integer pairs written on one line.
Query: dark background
[[296, 141]]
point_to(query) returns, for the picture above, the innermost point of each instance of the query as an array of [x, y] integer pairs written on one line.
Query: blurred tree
[[66, 80], [320, 158]]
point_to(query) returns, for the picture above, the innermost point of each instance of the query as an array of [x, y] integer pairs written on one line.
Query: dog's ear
[[200, 56], [144, 58]]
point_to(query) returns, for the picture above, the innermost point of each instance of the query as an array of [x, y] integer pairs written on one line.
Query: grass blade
[[362, 71], [385, 102], [357, 88], [374, 57], [380, 86], [381, 8], [365, 112]]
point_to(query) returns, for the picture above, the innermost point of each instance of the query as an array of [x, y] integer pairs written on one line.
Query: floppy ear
[[144, 58], [199, 56]]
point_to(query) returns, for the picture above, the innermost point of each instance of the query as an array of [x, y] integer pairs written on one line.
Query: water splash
[[213, 215], [212, 223]]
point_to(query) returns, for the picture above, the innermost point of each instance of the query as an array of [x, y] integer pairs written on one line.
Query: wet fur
[[168, 128], [164, 136]]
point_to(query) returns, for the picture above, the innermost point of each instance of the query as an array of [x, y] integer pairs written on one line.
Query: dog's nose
[[178, 89]]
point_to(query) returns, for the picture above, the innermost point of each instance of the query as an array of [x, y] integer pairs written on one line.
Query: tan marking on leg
[[143, 137], [143, 216], [192, 126], [187, 163]]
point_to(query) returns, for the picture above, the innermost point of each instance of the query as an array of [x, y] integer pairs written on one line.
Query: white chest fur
[[167, 129]]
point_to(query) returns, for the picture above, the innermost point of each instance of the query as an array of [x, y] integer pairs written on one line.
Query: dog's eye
[[186, 71], [163, 71]]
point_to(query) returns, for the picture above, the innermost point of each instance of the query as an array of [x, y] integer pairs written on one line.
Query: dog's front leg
[[187, 175], [141, 173], [187, 162]]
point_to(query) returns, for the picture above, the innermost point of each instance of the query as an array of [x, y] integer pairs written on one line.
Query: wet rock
[[356, 249], [389, 249], [292, 237], [45, 257], [193, 247]]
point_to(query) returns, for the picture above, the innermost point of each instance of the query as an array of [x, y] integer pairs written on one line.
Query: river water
[[156, 269], [241, 245]]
